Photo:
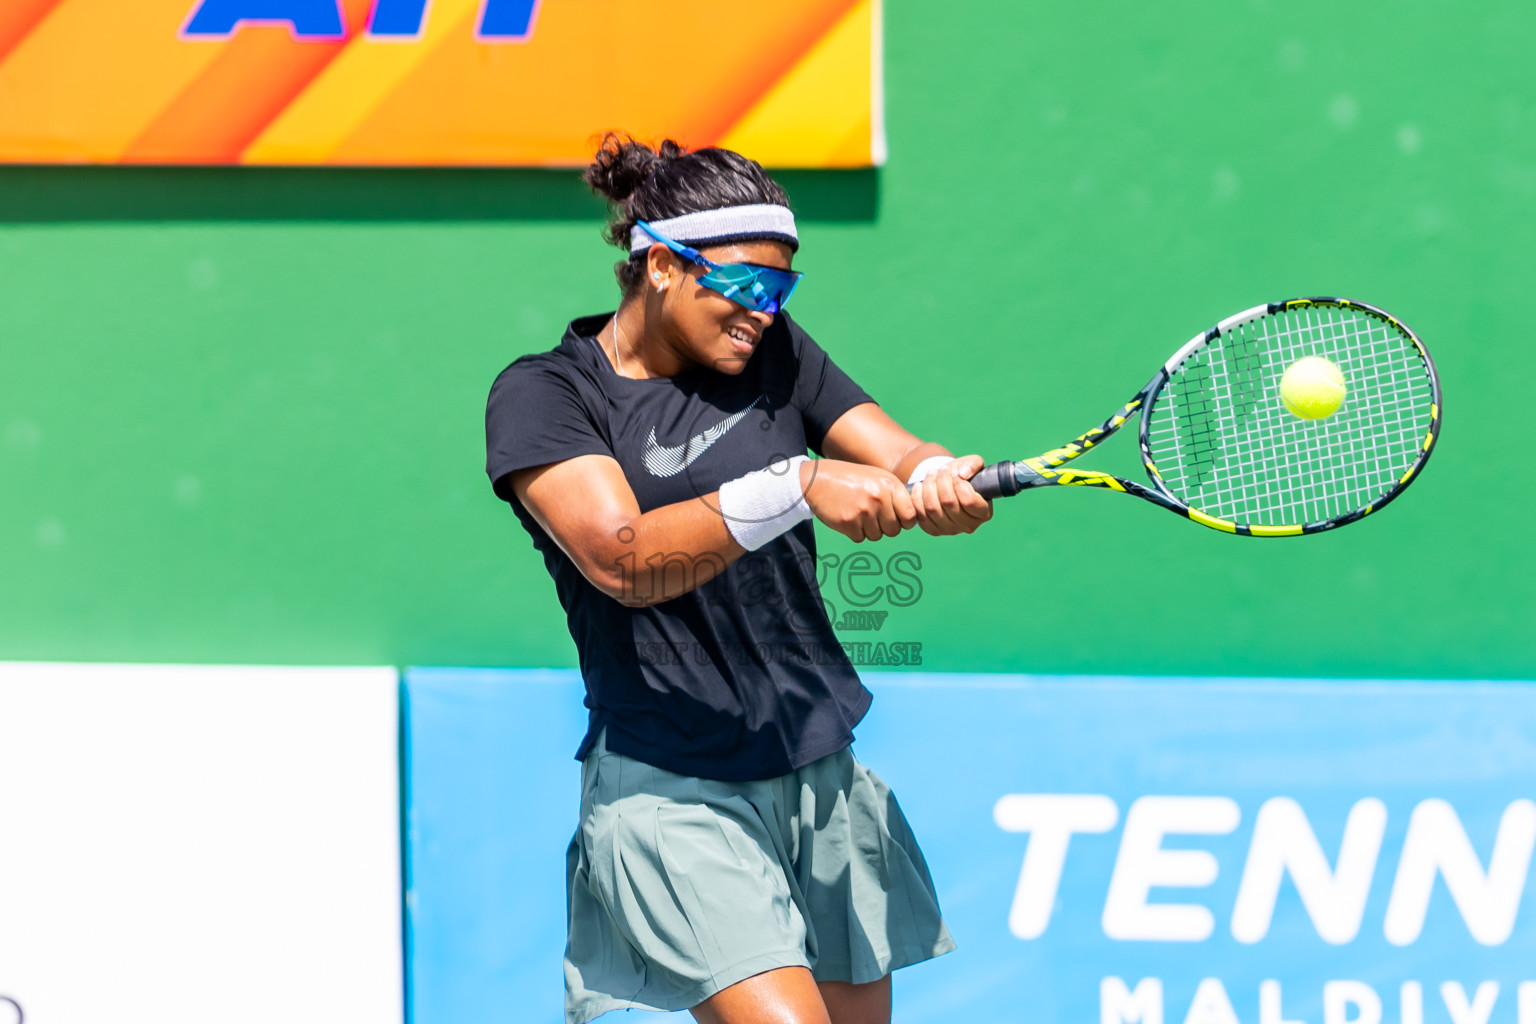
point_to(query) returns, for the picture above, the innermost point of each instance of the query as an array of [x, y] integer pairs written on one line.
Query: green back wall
[[240, 412]]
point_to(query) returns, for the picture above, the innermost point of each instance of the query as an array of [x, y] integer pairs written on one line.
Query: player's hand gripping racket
[[1234, 442]]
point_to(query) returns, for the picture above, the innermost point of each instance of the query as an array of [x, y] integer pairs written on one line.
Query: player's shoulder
[[569, 365]]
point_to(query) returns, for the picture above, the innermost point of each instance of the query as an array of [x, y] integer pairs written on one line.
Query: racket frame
[[1003, 479]]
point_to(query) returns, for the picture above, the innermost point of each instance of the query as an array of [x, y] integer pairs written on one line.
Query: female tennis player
[[733, 857]]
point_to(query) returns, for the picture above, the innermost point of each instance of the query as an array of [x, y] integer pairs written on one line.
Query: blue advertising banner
[[1127, 851]]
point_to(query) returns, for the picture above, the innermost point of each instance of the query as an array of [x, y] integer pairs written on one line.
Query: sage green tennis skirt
[[680, 886]]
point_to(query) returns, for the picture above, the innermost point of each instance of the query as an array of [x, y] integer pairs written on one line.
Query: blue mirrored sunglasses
[[765, 289]]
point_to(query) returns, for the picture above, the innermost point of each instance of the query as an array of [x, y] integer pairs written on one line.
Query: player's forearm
[[663, 553]]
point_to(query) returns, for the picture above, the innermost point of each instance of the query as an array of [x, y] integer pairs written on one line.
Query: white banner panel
[[191, 845]]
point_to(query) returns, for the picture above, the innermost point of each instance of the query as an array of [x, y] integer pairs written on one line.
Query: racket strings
[[1224, 443], [1321, 477]]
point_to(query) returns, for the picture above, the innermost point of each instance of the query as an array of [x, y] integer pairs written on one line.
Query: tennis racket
[[1221, 448]]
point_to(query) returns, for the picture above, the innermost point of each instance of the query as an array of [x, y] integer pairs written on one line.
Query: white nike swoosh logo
[[664, 460]]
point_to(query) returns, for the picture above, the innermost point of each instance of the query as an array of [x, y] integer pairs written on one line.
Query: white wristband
[[927, 466], [761, 505]]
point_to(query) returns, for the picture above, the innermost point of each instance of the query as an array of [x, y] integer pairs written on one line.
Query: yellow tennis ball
[[1312, 388]]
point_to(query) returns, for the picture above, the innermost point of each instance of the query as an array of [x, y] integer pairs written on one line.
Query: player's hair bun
[[623, 164], [642, 183]]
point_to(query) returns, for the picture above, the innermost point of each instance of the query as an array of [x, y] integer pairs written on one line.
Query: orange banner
[[433, 82]]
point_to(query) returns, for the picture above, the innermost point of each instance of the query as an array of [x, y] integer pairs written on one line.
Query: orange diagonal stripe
[[90, 77], [343, 94], [258, 74], [819, 114], [17, 18]]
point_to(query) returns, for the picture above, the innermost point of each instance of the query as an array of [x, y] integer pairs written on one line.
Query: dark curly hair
[[641, 183]]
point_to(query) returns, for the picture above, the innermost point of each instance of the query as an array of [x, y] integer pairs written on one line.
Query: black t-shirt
[[742, 677]]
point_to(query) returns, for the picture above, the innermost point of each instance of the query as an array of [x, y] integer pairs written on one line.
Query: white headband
[[714, 226]]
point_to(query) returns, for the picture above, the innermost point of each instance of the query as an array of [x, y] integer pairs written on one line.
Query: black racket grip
[[996, 481]]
